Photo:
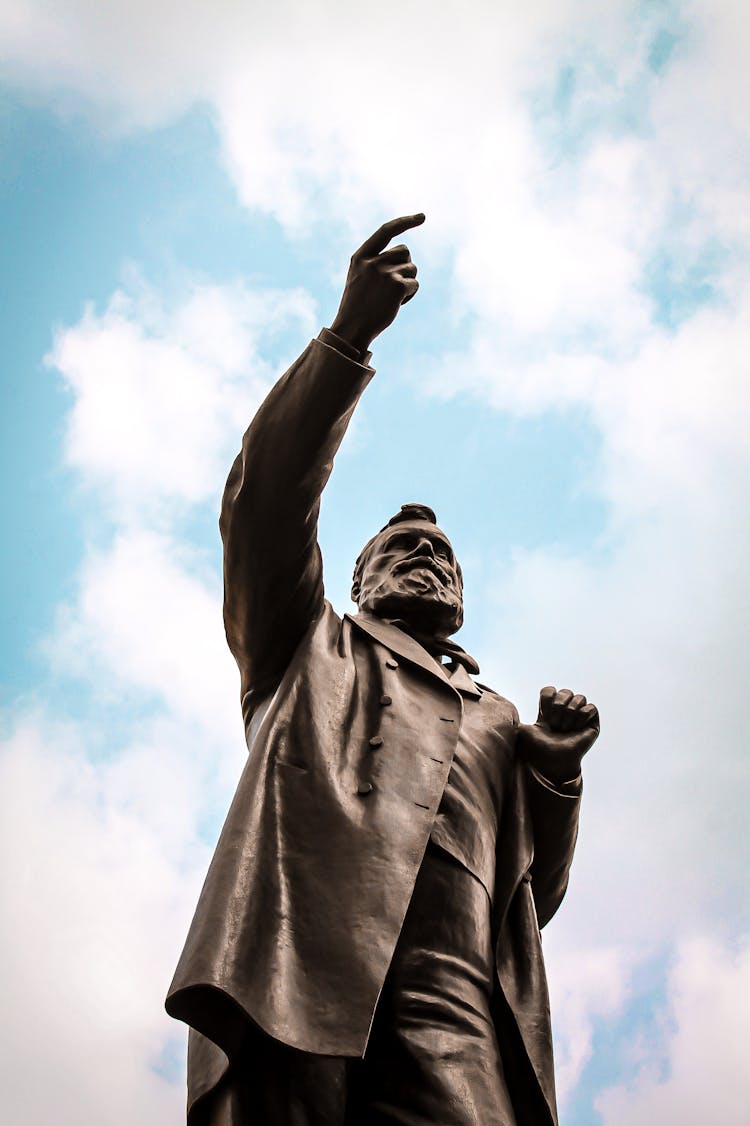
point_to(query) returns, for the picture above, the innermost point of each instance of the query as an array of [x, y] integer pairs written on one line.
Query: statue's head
[[408, 571]]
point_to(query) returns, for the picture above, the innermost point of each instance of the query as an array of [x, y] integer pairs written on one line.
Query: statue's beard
[[421, 596]]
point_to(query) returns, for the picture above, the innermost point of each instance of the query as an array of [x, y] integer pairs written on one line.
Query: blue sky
[[180, 197]]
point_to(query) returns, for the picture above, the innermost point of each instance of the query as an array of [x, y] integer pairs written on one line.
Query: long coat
[[314, 870]]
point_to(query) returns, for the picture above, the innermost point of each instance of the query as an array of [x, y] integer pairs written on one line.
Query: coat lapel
[[461, 681], [399, 642]]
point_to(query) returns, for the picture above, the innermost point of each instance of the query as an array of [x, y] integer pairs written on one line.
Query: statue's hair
[[409, 514]]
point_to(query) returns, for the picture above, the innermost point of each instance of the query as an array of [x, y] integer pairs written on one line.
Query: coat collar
[[405, 646], [461, 680]]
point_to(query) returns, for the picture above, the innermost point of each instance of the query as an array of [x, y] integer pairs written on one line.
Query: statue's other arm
[[553, 748], [273, 574]]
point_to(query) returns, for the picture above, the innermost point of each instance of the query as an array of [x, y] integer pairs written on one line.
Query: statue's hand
[[566, 729], [379, 282]]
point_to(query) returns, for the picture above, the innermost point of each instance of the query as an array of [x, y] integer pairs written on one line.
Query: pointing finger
[[380, 239]]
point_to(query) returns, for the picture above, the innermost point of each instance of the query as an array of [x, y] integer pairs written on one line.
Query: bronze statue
[[366, 946]]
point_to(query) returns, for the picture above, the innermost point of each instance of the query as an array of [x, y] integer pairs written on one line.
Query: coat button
[[365, 788], [386, 700], [376, 741], [391, 663]]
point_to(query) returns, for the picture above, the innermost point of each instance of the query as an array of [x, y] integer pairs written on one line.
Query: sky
[[182, 186]]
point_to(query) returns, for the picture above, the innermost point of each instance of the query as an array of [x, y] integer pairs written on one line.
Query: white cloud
[[673, 414], [99, 873], [656, 636], [338, 110], [700, 123], [651, 622], [586, 983], [102, 857], [161, 397], [442, 123], [706, 1036], [158, 399], [144, 621]]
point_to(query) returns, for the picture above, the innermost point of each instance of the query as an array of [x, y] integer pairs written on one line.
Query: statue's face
[[410, 572]]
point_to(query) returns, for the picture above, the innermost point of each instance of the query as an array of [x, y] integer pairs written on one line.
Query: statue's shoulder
[[490, 696]]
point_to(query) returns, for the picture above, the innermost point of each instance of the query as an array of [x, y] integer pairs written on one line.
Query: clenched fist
[[379, 282], [567, 727]]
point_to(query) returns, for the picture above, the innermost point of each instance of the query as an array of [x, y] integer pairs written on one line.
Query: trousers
[[432, 1058]]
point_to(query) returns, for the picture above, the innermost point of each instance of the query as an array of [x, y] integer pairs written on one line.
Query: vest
[[468, 817]]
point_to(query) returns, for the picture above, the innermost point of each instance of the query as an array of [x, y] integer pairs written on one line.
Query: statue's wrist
[[354, 334]]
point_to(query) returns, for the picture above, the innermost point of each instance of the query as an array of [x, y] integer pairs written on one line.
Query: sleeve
[[273, 573], [554, 816]]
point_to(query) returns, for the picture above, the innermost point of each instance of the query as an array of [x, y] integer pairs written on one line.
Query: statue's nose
[[425, 547]]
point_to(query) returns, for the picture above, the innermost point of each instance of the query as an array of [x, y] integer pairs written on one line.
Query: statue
[[366, 948]]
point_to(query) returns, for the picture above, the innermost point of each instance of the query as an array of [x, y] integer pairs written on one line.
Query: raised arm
[[273, 575]]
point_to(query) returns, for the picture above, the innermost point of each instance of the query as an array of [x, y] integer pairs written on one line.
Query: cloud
[[100, 868], [673, 414], [105, 805], [148, 624], [586, 984], [699, 122], [707, 1024], [159, 393], [546, 144], [652, 620], [160, 397]]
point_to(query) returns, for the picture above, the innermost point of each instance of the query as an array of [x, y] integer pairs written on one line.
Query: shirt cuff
[[333, 340]]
